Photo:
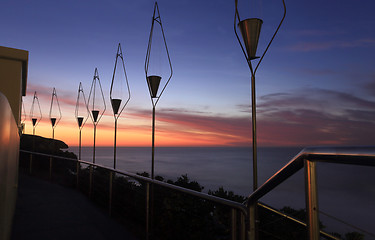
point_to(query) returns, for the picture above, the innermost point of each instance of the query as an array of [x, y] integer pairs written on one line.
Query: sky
[[315, 86]]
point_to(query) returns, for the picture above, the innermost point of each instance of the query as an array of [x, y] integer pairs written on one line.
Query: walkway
[[46, 210]]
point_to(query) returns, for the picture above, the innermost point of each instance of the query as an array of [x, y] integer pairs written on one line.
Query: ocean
[[346, 192]]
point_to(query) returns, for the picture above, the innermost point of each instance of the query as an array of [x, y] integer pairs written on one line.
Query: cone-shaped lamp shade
[[81, 112], [250, 30], [95, 114], [120, 91], [80, 121], [116, 105], [153, 83], [53, 121]]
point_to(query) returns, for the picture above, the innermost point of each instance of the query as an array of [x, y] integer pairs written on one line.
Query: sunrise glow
[[309, 92]]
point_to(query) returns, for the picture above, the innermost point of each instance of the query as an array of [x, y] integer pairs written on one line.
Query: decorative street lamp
[[154, 80], [96, 107], [36, 112], [55, 117], [250, 31], [119, 93], [120, 96], [54, 112], [96, 104], [81, 114], [36, 116]]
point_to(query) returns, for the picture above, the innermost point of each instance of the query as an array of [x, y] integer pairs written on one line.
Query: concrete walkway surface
[[45, 210]]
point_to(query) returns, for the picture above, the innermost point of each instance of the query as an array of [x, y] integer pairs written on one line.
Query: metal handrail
[[364, 156], [212, 198], [307, 159], [293, 219]]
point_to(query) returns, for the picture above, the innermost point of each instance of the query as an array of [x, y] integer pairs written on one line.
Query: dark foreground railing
[[165, 211], [161, 210], [307, 159]]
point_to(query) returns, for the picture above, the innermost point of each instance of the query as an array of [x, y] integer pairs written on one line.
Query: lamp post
[[81, 114], [154, 81], [35, 113], [96, 107], [55, 117], [119, 93], [96, 104], [36, 116], [250, 31], [120, 96]]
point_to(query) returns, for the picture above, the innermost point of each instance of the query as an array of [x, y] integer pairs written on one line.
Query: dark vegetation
[[40, 165], [45, 145], [176, 215]]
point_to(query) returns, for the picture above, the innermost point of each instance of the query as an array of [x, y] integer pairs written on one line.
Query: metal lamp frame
[[34, 123], [253, 99], [98, 117], [237, 18], [80, 126], [92, 91], [253, 232], [157, 19], [57, 120], [154, 99], [54, 122], [117, 115], [35, 100]]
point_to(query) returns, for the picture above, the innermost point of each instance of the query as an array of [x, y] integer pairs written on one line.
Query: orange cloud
[[173, 128], [284, 119]]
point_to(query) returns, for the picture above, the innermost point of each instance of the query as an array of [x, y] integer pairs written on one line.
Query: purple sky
[[316, 85]]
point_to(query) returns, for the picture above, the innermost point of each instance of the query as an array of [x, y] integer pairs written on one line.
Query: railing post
[[147, 209], [234, 224], [50, 168], [311, 192], [90, 184], [243, 227], [110, 192], [77, 180], [31, 154], [252, 235], [31, 163]]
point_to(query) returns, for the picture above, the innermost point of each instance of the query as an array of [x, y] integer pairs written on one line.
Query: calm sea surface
[[346, 192]]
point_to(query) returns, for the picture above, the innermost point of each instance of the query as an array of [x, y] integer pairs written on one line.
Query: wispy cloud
[[40, 89], [319, 72], [45, 94], [313, 32], [302, 117], [222, 130], [326, 45], [316, 98], [370, 86], [316, 117]]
